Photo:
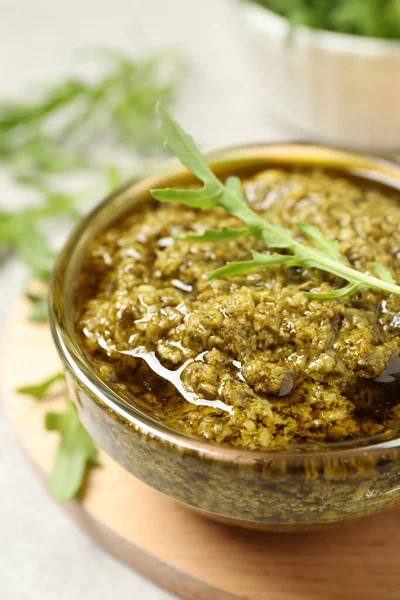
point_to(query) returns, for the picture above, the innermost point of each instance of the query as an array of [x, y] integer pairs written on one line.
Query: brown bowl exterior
[[262, 490]]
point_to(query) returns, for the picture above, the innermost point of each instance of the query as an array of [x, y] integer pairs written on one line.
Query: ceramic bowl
[[336, 88]]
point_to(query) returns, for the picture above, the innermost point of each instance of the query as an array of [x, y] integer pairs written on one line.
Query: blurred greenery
[[371, 18], [54, 132]]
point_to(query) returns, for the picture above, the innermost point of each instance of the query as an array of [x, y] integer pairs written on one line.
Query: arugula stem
[[253, 220], [341, 270]]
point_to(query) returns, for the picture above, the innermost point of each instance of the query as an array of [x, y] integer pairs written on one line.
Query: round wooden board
[[181, 551]]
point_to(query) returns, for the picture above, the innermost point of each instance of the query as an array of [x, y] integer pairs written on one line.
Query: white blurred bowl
[[337, 88]]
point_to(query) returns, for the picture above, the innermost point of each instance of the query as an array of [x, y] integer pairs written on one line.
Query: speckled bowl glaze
[[293, 491]]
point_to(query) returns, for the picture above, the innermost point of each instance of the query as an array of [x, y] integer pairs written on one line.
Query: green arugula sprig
[[76, 452], [319, 253], [39, 391], [56, 129], [55, 132], [39, 311]]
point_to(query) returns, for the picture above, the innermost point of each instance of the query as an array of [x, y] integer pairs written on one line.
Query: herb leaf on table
[[75, 453], [39, 312], [39, 391]]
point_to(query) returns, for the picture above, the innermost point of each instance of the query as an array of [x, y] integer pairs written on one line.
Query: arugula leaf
[[36, 254], [183, 146], [40, 390], [114, 177], [39, 313], [214, 193], [55, 204], [233, 183], [18, 232], [56, 128], [36, 292], [260, 261], [75, 454], [383, 272], [316, 237], [206, 197], [348, 290], [323, 254], [226, 234]]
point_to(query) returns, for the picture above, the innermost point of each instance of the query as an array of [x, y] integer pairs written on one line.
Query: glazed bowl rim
[[61, 311]]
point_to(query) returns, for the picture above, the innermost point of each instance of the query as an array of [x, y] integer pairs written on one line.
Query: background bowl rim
[[333, 41]]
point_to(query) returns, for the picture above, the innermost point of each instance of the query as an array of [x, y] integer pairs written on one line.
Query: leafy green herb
[[114, 177], [260, 261], [36, 293], [39, 311], [58, 130], [383, 272], [19, 232], [319, 253], [225, 235], [372, 18], [40, 390], [75, 454], [34, 251]]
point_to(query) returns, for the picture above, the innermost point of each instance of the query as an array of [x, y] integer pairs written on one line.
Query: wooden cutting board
[[181, 551]]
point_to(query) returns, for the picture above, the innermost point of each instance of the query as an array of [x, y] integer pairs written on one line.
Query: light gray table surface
[[43, 556]]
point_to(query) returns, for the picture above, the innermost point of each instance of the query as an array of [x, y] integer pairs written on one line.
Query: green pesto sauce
[[250, 361]]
